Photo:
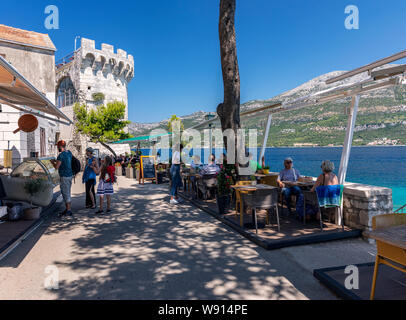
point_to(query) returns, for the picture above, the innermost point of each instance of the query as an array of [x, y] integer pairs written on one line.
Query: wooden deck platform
[[390, 285], [292, 232]]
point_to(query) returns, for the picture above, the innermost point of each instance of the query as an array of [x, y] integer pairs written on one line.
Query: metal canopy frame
[[381, 78]]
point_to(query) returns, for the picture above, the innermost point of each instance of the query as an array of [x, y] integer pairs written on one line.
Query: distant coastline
[[363, 146]]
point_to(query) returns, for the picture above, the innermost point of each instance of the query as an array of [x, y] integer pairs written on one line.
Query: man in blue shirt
[[211, 167], [64, 165], [289, 174]]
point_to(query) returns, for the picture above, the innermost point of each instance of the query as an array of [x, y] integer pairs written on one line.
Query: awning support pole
[[210, 139], [266, 135], [345, 156]]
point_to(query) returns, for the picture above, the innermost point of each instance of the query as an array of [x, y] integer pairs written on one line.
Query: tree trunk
[[108, 147], [229, 110]]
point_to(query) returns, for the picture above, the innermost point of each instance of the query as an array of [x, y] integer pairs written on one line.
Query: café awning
[[19, 93]]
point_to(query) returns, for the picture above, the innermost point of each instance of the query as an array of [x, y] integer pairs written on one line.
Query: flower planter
[[223, 203], [129, 173], [32, 213]]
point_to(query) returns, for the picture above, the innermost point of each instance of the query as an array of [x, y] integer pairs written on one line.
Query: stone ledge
[[365, 191]]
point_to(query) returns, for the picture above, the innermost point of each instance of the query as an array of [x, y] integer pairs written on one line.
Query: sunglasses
[[288, 161]]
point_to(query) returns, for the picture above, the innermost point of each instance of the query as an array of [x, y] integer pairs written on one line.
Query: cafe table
[[246, 189], [301, 184], [391, 247]]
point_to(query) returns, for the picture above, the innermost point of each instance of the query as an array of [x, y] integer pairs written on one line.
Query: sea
[[383, 166]]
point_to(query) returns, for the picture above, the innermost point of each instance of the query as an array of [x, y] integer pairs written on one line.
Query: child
[[107, 178]]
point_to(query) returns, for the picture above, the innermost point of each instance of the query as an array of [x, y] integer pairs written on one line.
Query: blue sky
[[175, 45]]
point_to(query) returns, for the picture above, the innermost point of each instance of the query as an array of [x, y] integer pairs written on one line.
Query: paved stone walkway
[[148, 249]]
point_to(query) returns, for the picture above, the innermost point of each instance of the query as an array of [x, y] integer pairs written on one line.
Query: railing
[[65, 60], [401, 209]]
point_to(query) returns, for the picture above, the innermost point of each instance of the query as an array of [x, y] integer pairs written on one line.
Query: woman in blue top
[[89, 178]]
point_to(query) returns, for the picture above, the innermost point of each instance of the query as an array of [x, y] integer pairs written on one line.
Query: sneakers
[[174, 201]]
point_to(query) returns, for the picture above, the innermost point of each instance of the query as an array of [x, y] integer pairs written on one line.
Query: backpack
[[75, 165]]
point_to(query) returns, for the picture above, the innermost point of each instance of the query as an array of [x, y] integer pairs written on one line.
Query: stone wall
[[362, 202], [95, 71]]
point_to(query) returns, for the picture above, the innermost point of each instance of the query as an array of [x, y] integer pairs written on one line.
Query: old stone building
[[33, 55], [91, 76]]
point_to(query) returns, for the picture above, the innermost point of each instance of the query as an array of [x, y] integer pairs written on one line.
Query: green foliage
[[33, 186], [98, 96], [225, 178], [103, 124], [173, 122]]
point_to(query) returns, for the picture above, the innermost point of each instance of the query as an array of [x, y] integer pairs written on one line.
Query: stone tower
[[86, 72]]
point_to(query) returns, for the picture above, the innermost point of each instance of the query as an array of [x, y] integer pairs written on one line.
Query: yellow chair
[[387, 253], [238, 198]]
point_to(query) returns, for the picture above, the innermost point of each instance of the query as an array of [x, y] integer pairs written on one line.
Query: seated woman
[[327, 178]]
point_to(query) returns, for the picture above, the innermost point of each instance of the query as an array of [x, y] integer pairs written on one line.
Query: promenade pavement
[[149, 249]]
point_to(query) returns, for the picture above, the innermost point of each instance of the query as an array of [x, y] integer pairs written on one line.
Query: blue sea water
[[379, 165]]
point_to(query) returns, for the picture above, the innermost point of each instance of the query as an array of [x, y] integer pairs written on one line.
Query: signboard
[[148, 169]]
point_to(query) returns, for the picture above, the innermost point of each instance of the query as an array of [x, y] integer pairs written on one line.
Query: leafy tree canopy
[[174, 119], [102, 124]]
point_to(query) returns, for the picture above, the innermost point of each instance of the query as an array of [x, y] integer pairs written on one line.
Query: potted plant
[[129, 172], [137, 171], [32, 187], [224, 182], [265, 170], [253, 180]]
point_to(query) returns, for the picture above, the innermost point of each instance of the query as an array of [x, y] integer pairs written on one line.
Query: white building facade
[[33, 55]]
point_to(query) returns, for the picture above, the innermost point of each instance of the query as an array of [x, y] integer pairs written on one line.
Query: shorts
[[66, 186], [105, 188]]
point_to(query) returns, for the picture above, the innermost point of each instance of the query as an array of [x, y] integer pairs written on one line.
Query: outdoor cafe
[[257, 208]]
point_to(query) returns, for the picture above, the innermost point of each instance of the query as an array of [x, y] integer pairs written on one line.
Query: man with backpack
[[67, 166]]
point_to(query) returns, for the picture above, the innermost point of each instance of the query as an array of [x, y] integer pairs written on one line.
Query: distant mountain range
[[381, 118]]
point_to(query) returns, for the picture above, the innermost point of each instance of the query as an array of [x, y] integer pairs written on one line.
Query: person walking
[[89, 178], [64, 166], [175, 175], [105, 187]]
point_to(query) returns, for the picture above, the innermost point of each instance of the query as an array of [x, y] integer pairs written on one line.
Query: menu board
[[148, 169]]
